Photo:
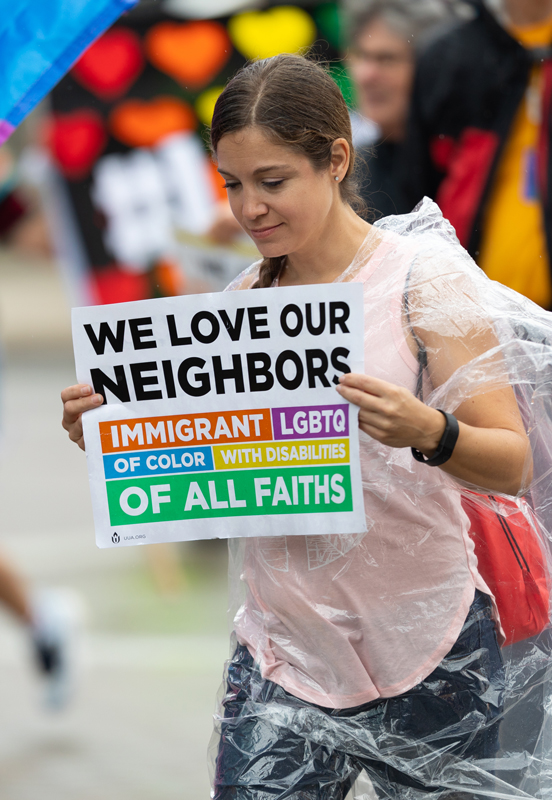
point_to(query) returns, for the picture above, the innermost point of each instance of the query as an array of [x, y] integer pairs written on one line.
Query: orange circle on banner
[[139, 123], [193, 52]]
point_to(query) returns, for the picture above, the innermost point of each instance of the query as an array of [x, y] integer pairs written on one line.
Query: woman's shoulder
[[245, 279], [426, 243]]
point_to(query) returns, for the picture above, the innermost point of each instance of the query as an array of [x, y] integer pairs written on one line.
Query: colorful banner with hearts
[[40, 40], [135, 189]]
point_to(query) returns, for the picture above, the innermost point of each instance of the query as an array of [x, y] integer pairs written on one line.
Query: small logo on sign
[[115, 538]]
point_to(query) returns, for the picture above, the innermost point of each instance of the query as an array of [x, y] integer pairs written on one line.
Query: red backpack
[[508, 545], [511, 561]]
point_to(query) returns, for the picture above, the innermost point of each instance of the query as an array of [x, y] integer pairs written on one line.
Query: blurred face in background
[[382, 68]]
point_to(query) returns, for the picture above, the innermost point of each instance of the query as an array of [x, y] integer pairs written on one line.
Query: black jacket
[[380, 180], [467, 89]]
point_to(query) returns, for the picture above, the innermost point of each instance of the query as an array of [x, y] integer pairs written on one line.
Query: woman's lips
[[262, 233]]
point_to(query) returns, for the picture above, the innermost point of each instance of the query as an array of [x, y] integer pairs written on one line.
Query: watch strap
[[446, 444]]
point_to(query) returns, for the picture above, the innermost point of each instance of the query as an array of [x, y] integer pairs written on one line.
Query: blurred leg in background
[[49, 618]]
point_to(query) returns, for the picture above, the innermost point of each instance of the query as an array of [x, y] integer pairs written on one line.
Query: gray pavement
[[149, 654]]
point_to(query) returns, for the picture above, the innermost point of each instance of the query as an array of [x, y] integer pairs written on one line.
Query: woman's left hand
[[391, 414]]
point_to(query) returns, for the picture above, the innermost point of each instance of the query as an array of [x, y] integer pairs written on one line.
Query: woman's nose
[[252, 205]]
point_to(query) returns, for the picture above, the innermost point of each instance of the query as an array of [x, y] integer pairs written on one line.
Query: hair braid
[[269, 270]]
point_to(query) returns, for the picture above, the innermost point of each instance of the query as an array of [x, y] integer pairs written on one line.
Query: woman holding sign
[[377, 651]]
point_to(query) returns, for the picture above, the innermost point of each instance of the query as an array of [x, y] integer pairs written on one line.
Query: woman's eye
[[229, 185], [273, 184]]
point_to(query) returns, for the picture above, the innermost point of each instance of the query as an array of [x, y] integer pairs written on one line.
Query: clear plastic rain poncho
[[367, 665]]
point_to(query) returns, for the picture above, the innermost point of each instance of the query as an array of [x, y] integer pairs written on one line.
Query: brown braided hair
[[297, 103]]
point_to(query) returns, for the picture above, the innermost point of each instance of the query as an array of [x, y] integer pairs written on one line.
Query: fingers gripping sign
[[76, 400], [391, 414]]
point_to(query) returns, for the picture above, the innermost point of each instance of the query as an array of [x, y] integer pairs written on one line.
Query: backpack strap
[[422, 352]]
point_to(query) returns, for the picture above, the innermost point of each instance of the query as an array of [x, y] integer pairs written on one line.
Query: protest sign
[[221, 415]]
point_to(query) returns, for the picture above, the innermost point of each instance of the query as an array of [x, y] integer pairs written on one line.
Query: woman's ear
[[340, 157]]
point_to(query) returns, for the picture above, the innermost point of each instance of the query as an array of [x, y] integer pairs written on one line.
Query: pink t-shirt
[[343, 620]]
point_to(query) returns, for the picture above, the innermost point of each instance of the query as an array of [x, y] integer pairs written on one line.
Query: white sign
[[222, 417]]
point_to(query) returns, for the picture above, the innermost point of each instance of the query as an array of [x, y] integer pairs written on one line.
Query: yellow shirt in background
[[513, 246]]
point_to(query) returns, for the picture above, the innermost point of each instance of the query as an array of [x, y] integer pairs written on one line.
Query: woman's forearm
[[492, 450], [493, 458]]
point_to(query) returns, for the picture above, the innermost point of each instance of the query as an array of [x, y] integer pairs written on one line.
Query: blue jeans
[[274, 745]]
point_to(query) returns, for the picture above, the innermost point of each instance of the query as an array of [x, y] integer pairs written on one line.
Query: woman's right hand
[[76, 400]]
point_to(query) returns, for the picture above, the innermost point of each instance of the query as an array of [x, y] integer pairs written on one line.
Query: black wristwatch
[[446, 444]]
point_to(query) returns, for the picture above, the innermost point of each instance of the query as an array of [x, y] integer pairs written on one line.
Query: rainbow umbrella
[[39, 42]]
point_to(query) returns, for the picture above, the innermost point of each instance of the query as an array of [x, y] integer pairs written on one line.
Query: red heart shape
[[75, 141], [110, 65], [115, 285]]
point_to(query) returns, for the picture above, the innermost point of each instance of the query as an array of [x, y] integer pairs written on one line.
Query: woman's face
[[276, 195]]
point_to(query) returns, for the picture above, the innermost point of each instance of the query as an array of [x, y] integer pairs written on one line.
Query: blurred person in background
[[479, 139], [44, 615], [385, 38], [478, 142], [22, 221]]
